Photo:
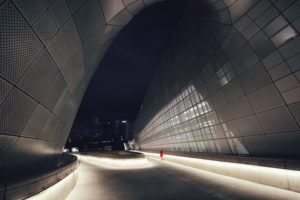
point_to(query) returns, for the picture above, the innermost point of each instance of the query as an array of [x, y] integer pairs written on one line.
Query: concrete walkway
[[165, 180]]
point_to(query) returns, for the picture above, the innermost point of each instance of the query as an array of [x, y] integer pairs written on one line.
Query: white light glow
[[245, 188], [58, 191], [279, 178], [115, 163], [75, 149], [284, 35]]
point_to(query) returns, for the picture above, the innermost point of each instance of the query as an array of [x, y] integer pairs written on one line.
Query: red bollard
[[161, 154]]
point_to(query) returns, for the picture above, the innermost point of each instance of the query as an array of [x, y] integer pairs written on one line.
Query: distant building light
[[124, 121], [75, 149]]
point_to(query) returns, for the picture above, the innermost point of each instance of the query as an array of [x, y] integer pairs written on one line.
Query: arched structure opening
[[240, 56]]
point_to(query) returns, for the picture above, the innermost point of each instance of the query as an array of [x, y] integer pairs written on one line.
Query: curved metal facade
[[49, 49], [228, 82]]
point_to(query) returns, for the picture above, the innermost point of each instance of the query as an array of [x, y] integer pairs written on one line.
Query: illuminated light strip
[[59, 190], [280, 178], [115, 163], [229, 184]]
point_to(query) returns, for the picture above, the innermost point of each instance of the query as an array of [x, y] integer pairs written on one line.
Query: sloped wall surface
[[229, 82], [230, 75], [49, 50]]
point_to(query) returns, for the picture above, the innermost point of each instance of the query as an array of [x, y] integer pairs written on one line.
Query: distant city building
[[99, 135]]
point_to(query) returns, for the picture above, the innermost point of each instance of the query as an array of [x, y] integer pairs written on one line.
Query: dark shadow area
[[118, 87]]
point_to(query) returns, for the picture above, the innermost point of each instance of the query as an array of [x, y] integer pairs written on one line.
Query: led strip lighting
[[280, 178], [115, 163]]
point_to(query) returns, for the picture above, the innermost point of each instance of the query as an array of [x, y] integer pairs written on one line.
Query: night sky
[[118, 87]]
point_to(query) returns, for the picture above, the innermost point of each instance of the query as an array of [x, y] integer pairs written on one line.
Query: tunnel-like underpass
[[226, 92], [162, 179]]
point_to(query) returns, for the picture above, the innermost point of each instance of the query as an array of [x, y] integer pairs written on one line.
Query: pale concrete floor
[[165, 180]]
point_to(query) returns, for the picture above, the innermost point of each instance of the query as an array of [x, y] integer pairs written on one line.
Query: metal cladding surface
[[239, 58], [229, 82], [48, 52]]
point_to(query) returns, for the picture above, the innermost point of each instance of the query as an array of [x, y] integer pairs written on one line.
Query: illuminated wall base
[[116, 163], [58, 191], [280, 178]]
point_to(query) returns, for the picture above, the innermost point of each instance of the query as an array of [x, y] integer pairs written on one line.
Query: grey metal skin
[[228, 83], [49, 50]]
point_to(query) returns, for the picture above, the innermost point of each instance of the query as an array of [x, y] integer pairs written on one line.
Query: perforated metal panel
[[45, 27], [5, 87], [89, 18], [127, 2], [111, 8], [64, 106], [74, 5], [295, 110], [73, 70], [39, 76], [134, 7], [7, 145], [18, 46], [52, 127], [15, 112], [31, 9], [65, 42], [48, 3], [29, 151], [53, 92], [60, 13], [35, 125], [122, 18], [78, 94]]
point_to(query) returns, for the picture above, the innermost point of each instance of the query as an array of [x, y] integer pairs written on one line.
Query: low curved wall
[[30, 184], [279, 173], [114, 154], [115, 159]]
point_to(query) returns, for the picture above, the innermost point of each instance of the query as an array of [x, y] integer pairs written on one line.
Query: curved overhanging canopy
[[49, 52]]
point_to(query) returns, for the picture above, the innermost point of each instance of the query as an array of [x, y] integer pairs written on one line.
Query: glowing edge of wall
[[116, 163], [58, 191], [275, 177]]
